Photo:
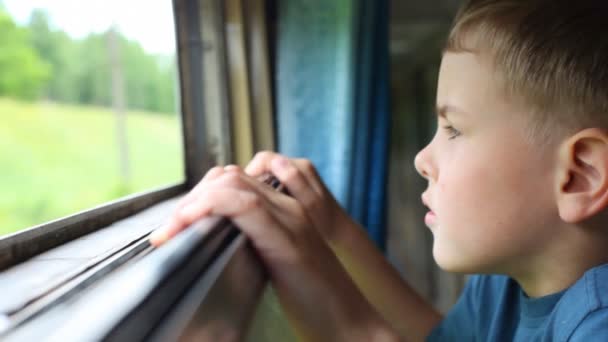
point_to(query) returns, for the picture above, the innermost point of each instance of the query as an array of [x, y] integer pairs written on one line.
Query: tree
[[118, 103], [22, 72], [59, 51], [81, 69]]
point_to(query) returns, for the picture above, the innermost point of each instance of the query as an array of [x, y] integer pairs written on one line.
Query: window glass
[[88, 105]]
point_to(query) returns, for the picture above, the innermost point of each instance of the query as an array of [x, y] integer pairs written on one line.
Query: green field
[[56, 160]]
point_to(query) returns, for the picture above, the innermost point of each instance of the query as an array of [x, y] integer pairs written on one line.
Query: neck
[[563, 261]]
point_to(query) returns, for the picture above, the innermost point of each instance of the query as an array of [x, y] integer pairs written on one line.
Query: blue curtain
[[332, 99]]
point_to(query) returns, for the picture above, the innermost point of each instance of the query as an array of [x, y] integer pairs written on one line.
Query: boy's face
[[490, 189]]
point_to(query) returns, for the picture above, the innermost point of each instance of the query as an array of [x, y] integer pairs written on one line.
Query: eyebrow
[[442, 111]]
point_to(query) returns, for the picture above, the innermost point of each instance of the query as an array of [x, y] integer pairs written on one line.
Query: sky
[[149, 22]]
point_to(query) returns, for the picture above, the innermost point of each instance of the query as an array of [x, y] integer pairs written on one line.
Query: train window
[[58, 270], [89, 105]]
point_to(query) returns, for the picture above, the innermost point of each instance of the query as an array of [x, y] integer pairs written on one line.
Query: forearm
[[330, 308], [382, 285]]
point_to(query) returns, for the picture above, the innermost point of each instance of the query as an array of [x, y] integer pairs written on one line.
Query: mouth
[[430, 218]]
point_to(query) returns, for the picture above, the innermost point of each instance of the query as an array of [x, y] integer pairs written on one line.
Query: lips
[[430, 218]]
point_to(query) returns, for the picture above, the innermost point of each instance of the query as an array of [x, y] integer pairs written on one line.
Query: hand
[[268, 217], [304, 184], [301, 266]]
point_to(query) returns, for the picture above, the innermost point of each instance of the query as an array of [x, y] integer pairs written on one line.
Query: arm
[[383, 286], [379, 282]]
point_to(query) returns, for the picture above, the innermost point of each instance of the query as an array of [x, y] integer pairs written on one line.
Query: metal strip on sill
[[150, 313], [122, 300], [75, 283], [98, 309], [173, 302], [20, 246], [125, 300]]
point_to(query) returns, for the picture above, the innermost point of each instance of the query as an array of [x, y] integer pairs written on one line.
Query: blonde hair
[[552, 54]]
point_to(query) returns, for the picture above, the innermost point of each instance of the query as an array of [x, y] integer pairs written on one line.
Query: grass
[[56, 160]]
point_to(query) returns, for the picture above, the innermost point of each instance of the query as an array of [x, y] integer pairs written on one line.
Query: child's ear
[[583, 175]]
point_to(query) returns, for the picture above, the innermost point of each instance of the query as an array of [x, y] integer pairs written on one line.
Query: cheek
[[466, 199], [472, 230], [482, 208], [487, 186]]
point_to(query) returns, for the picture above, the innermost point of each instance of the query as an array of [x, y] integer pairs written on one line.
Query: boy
[[518, 190]]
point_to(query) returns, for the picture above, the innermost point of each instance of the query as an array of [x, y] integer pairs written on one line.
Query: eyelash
[[452, 132]]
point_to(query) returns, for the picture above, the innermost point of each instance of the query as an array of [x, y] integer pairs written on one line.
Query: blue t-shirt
[[494, 308]]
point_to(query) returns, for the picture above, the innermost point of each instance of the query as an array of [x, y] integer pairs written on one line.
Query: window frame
[[22, 245], [207, 131]]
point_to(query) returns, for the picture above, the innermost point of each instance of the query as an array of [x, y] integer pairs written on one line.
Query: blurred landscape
[[83, 121], [57, 159]]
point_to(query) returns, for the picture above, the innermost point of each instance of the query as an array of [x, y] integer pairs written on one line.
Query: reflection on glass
[[88, 105]]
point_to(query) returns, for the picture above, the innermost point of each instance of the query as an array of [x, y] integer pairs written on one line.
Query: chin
[[454, 262]]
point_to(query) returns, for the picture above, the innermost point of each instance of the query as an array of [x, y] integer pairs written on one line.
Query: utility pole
[[118, 104]]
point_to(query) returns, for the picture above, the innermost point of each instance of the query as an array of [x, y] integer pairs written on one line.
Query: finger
[[308, 178], [295, 181], [163, 234], [171, 228], [212, 174], [284, 208], [248, 210], [260, 163], [309, 171], [181, 219], [252, 214], [199, 205], [225, 179], [232, 168]]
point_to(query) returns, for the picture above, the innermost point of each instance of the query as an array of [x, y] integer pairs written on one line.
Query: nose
[[424, 164]]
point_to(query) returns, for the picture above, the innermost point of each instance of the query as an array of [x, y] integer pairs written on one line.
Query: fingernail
[[158, 237], [231, 168]]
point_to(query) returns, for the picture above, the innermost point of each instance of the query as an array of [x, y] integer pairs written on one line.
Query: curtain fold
[[332, 99], [370, 162]]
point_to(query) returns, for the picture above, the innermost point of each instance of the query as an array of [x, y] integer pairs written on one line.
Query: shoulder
[[470, 318], [583, 312], [594, 327]]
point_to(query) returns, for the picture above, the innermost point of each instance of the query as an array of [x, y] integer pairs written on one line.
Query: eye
[[452, 132]]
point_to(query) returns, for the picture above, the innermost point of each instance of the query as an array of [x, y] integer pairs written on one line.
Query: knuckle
[[232, 179], [307, 165], [250, 201], [232, 168], [263, 155], [291, 174], [215, 169], [184, 200], [301, 213], [180, 218], [310, 203], [212, 173], [181, 205]]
